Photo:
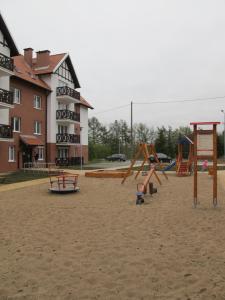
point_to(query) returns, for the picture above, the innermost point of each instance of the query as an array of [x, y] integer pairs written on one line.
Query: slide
[[172, 164]]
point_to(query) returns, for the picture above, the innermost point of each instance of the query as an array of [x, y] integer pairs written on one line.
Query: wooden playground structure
[[150, 158], [184, 166], [205, 147], [107, 173], [147, 151]]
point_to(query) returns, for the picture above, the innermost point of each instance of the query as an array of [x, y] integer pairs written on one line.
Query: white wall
[[4, 116], [52, 105], [3, 49], [51, 108], [4, 82], [84, 124]]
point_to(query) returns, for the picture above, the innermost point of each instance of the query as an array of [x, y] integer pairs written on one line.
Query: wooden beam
[[132, 163], [214, 166], [195, 166]]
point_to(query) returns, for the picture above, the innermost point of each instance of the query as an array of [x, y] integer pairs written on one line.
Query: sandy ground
[[99, 245]]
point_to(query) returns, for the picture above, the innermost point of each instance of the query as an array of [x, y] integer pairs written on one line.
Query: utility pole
[[131, 127], [81, 150], [223, 133]]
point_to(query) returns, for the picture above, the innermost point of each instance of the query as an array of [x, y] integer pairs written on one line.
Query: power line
[[111, 109], [181, 101], [162, 102]]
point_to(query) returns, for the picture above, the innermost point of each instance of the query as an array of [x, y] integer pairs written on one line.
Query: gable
[[6, 39], [66, 71]]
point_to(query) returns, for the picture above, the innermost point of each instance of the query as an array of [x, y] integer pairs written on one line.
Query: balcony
[[67, 138], [5, 132], [6, 65], [67, 95], [67, 115], [6, 98]]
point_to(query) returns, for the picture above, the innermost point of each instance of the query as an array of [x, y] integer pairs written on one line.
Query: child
[[204, 165]]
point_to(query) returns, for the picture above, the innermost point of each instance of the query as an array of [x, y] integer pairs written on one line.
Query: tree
[[94, 130], [170, 143], [161, 140]]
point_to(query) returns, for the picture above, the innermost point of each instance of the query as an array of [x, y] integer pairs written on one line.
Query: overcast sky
[[133, 50]]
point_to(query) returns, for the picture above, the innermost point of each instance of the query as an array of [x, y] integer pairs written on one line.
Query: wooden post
[[214, 166], [146, 157], [132, 163], [195, 166]]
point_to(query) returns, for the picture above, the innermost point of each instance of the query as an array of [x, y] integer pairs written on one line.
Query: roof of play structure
[[185, 140]]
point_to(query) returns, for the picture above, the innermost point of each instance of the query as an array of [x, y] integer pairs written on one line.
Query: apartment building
[[41, 110], [7, 50], [67, 111]]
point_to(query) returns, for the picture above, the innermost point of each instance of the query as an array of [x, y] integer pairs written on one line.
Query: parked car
[[164, 158], [117, 157]]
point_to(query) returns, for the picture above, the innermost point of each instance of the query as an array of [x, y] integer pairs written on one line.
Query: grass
[[20, 176]]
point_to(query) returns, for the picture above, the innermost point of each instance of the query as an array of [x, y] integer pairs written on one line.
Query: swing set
[[147, 151]]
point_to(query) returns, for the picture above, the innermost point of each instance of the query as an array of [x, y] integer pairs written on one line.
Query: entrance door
[[27, 154]]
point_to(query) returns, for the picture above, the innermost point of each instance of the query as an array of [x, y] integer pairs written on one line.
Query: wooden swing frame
[[143, 149]]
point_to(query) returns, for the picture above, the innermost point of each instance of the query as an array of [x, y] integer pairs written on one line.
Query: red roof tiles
[[31, 140], [85, 103], [25, 72], [54, 61]]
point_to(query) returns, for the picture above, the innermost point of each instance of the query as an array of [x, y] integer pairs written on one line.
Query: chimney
[[43, 59], [28, 55]]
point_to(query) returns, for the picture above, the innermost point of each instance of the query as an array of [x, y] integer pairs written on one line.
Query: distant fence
[[39, 166]]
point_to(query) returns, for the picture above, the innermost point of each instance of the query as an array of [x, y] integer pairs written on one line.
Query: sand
[[99, 245]]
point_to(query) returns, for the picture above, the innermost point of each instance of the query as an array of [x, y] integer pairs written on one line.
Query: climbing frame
[[205, 147]]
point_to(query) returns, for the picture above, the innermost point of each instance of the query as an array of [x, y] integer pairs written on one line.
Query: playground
[[98, 244]]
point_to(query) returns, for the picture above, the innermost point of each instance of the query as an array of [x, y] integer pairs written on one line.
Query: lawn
[[21, 176]]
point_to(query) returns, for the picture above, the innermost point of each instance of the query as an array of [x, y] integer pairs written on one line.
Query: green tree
[[161, 140]]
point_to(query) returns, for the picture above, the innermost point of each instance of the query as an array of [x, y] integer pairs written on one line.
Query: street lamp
[[223, 133], [81, 152]]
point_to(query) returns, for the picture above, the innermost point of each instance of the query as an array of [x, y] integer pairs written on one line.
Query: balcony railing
[[67, 91], [6, 96], [65, 114], [6, 62], [67, 138], [5, 131]]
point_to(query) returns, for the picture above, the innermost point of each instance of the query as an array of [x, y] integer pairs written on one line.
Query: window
[[16, 95], [63, 106], [37, 127], [16, 124], [37, 102], [11, 153], [63, 153], [40, 151], [62, 129]]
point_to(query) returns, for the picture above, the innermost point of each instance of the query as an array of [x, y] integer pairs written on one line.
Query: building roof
[[54, 61], [185, 140], [85, 103], [4, 29], [23, 71], [31, 140], [204, 123]]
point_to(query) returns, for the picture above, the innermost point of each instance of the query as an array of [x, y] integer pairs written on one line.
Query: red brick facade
[[28, 115]]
